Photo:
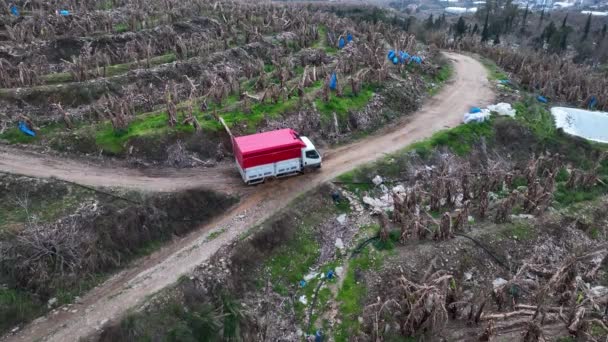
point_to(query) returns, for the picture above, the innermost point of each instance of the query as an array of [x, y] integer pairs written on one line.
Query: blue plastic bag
[[14, 11], [395, 60], [341, 43], [349, 38], [302, 283], [330, 274], [333, 81], [404, 56], [542, 99], [26, 130], [391, 55], [592, 102], [318, 336], [475, 110], [63, 13], [416, 59]]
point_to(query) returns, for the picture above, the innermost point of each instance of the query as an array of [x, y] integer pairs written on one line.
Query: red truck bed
[[268, 147]]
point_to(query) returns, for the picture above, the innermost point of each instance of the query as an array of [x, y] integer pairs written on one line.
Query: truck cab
[[311, 158]]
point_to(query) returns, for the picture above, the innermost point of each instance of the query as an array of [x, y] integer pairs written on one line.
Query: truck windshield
[[312, 154]]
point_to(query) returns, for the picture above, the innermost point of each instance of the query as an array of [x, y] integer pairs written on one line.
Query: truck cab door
[[311, 158]]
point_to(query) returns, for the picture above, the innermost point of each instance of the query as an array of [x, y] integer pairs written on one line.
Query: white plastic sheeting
[[583, 123], [499, 108], [477, 117], [460, 10], [502, 109], [595, 13]]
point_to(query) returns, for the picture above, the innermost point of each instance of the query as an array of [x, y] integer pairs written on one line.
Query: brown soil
[[131, 287]]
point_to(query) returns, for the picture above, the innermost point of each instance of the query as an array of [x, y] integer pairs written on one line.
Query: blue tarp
[[475, 110], [349, 38], [341, 43], [23, 128], [416, 59], [592, 102], [63, 12], [15, 10], [333, 81], [542, 99]]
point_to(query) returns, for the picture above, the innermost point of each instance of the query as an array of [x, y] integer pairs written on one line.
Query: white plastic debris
[[385, 202], [339, 243], [598, 291], [468, 275], [303, 299], [377, 180], [310, 276], [399, 189], [498, 282], [341, 219], [502, 108], [477, 117], [339, 271]]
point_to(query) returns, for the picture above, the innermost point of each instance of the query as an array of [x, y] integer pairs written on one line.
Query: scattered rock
[[51, 302], [14, 330], [339, 243], [303, 299], [341, 219], [468, 276]]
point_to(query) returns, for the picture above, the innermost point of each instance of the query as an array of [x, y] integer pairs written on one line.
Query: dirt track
[[468, 87]]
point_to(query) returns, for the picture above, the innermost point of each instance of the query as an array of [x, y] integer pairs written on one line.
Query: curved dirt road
[[468, 87]]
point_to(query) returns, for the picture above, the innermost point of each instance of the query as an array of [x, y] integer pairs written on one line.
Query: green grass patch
[[121, 27], [566, 197], [343, 205], [17, 307], [353, 292], [292, 261], [354, 182], [215, 234], [445, 73], [342, 105], [494, 72], [522, 231], [536, 117], [459, 139]]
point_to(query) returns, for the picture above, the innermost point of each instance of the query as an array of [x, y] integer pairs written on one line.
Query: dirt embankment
[[57, 239], [468, 87]]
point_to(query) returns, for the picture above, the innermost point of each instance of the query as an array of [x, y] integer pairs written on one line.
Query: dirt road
[[109, 301]]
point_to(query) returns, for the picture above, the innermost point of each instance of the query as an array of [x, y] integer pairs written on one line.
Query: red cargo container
[[269, 147], [273, 154]]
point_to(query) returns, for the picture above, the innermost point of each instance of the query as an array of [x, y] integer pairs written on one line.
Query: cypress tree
[[542, 17], [485, 34], [587, 27], [603, 31]]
